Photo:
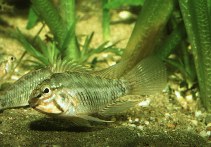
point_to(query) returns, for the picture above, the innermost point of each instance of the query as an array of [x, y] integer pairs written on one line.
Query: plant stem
[[67, 11], [150, 23], [197, 21], [105, 21], [171, 42]]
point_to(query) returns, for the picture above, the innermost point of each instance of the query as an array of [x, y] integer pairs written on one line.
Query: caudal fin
[[147, 77]]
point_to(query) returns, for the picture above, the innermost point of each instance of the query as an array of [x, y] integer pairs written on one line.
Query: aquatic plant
[[196, 15], [114, 4], [148, 31], [61, 22]]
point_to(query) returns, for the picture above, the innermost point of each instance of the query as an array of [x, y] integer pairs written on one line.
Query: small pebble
[[138, 134], [152, 119], [140, 127], [146, 122], [209, 125], [171, 125], [145, 103], [194, 122], [209, 133], [198, 113], [137, 120], [132, 125], [167, 115], [178, 94], [203, 133], [130, 120], [125, 15], [189, 98]]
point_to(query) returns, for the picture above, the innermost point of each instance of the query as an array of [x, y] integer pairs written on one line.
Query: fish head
[[46, 99]]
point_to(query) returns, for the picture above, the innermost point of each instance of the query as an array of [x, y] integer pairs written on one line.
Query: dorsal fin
[[115, 71], [62, 65]]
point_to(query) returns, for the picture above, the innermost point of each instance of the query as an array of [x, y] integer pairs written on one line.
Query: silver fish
[[18, 93], [83, 95]]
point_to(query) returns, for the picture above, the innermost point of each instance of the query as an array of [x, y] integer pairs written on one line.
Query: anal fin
[[118, 106]]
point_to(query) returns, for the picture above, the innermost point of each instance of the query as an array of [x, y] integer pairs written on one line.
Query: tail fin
[[147, 77]]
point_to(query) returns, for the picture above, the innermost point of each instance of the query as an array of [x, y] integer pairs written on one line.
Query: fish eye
[[12, 58], [46, 89]]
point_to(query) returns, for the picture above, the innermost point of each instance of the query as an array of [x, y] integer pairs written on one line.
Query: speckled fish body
[[75, 94], [18, 93], [85, 92]]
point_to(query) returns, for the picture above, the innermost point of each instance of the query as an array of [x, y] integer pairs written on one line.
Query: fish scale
[[101, 92]]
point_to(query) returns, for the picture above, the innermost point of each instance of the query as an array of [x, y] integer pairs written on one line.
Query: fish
[[88, 96], [17, 95], [6, 65]]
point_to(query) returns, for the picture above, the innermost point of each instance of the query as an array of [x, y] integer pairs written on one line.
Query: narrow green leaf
[[30, 49], [32, 19], [196, 15], [67, 11], [149, 25], [113, 4], [106, 21], [48, 13], [172, 41], [86, 45]]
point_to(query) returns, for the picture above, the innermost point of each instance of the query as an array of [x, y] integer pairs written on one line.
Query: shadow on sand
[[54, 124]]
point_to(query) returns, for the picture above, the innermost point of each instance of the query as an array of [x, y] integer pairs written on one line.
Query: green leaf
[[197, 21], [86, 45], [106, 21], [32, 19], [30, 49], [113, 4]]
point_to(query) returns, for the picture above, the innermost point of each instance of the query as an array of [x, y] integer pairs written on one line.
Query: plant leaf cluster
[[64, 44]]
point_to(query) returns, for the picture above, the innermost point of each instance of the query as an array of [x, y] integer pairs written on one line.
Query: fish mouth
[[34, 98], [33, 103], [46, 107], [48, 104]]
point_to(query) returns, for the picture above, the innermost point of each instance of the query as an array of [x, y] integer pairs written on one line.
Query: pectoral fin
[[91, 118], [80, 122]]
